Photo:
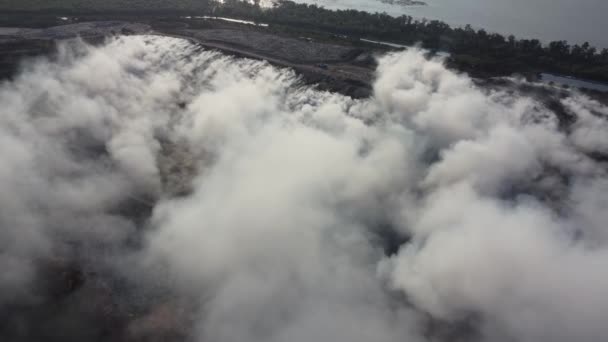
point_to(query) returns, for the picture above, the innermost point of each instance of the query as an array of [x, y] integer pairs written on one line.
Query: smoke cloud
[[189, 195]]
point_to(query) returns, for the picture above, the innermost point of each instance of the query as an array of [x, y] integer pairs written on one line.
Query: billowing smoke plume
[[220, 199]]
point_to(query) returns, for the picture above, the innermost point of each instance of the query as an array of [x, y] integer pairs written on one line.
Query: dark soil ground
[[331, 65]]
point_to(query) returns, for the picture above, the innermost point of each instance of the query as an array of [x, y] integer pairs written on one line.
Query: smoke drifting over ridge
[[222, 200]]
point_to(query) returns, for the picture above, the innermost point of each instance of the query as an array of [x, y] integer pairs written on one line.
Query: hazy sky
[[575, 21]]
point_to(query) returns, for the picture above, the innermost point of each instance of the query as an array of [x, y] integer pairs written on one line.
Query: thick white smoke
[[277, 207]]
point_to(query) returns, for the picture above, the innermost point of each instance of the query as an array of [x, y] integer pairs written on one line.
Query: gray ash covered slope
[[296, 50], [19, 43], [154, 190], [336, 67]]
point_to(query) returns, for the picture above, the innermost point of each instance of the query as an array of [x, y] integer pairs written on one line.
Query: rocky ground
[[337, 67], [341, 68], [17, 44]]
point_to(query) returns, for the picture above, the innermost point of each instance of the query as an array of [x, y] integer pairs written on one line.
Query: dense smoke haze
[[222, 200]]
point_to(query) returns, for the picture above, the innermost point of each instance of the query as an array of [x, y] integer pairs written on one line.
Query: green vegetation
[[476, 51]]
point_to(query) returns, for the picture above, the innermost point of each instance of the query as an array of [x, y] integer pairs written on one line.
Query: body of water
[[247, 22], [574, 82], [397, 46], [574, 20]]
